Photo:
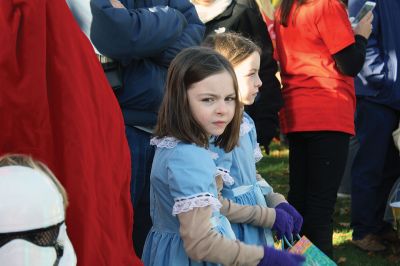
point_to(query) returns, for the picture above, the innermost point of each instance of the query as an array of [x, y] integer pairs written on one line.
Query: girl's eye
[[230, 99], [208, 100], [251, 74]]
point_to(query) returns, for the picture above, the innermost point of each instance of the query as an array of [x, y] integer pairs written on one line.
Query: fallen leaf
[[341, 260]]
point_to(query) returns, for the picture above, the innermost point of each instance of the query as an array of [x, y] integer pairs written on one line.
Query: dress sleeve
[[253, 137], [203, 244], [334, 26], [191, 179], [223, 161]]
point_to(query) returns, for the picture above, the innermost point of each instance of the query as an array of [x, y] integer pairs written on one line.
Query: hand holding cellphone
[[368, 6]]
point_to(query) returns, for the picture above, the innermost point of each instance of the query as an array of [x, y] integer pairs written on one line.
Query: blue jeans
[[375, 168], [142, 154]]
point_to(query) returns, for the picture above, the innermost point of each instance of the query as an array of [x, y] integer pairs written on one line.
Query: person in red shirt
[[319, 55], [56, 106]]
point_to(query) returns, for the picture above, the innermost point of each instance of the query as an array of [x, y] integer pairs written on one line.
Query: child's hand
[[273, 257], [297, 218], [283, 224]]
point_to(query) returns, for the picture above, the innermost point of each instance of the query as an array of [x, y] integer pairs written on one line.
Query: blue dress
[[182, 178], [238, 169]]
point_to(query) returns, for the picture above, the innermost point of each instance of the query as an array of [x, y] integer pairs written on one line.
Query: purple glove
[[283, 224], [297, 218], [273, 257]]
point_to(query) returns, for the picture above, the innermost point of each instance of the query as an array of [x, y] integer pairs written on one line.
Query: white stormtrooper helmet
[[32, 228]]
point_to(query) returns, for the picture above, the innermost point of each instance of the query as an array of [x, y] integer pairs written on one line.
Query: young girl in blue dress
[[247, 187], [201, 100]]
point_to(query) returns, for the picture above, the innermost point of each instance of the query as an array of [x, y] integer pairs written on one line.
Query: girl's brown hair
[[235, 47], [175, 118], [27, 161]]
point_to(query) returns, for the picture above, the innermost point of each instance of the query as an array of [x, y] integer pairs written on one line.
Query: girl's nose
[[258, 81], [221, 108]]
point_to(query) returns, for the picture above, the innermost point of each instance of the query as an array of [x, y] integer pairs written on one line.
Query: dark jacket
[[144, 38], [379, 81], [248, 21]]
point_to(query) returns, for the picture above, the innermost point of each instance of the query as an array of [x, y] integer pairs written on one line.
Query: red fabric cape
[[56, 105]]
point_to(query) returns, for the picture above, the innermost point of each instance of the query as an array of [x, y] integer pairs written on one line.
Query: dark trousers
[[142, 154], [316, 164], [376, 167]]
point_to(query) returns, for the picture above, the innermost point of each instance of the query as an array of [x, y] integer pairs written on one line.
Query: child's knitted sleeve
[[247, 214], [204, 244]]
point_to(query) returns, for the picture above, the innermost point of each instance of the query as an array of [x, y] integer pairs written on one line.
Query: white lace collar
[[171, 142], [165, 142]]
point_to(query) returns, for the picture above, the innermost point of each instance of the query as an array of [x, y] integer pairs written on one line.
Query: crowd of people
[[160, 107]]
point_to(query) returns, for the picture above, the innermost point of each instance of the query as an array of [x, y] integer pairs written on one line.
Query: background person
[[376, 165], [62, 111], [143, 36], [318, 55]]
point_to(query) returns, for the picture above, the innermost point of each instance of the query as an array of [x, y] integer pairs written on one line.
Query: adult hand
[[297, 218], [116, 4], [283, 224], [273, 257], [364, 27]]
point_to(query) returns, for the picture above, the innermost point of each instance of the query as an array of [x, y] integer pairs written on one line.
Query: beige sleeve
[[202, 243], [246, 214], [272, 199]]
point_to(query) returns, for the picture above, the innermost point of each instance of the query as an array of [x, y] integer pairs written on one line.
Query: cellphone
[[368, 6]]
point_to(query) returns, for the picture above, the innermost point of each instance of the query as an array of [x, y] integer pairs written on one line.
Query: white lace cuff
[[165, 142], [226, 177], [257, 153], [186, 204]]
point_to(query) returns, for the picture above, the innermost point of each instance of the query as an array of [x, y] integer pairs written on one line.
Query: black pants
[[142, 154], [316, 164]]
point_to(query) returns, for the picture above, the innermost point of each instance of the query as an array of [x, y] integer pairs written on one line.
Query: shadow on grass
[[274, 168]]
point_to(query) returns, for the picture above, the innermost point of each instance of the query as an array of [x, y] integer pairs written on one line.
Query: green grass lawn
[[275, 169]]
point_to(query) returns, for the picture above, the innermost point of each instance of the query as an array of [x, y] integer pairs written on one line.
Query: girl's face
[[248, 79], [212, 102]]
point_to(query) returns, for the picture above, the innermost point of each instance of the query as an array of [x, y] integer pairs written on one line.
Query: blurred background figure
[[144, 37], [376, 164], [56, 105], [319, 55]]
